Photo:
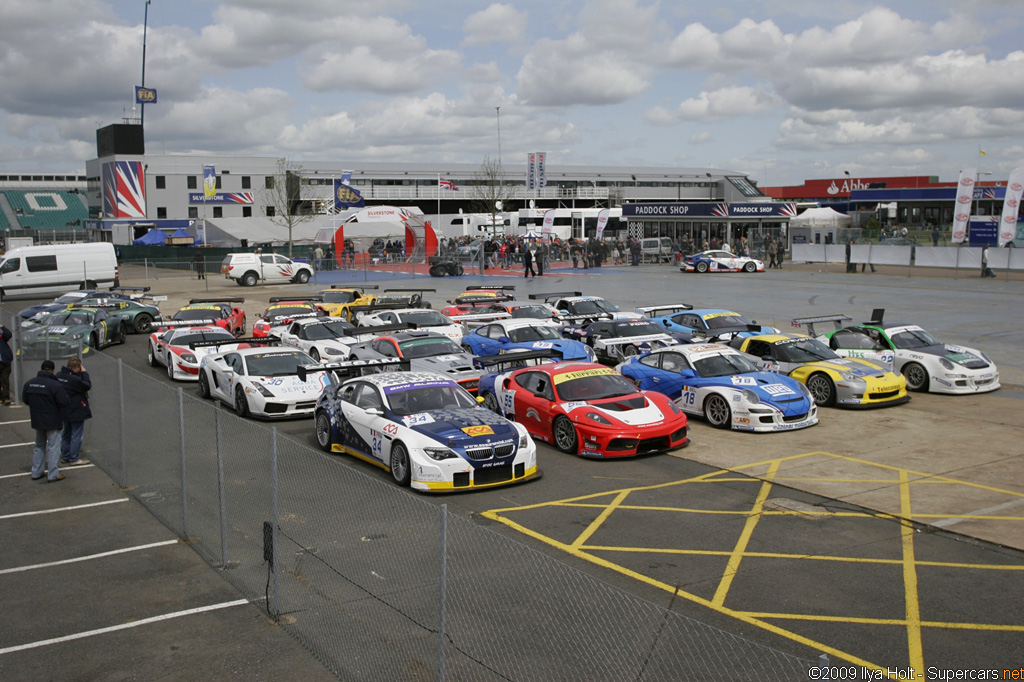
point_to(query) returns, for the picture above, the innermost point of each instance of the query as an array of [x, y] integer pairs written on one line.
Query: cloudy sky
[[780, 89]]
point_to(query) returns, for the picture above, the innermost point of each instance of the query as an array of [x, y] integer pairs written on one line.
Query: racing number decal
[[377, 443], [688, 398], [509, 402]]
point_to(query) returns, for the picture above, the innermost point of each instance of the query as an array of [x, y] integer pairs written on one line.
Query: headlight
[[439, 453], [334, 351], [594, 416], [750, 396], [803, 389], [263, 390], [946, 363], [188, 357], [76, 337], [524, 440], [675, 408]]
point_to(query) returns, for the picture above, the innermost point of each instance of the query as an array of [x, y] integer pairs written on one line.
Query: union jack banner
[[124, 189], [444, 183]]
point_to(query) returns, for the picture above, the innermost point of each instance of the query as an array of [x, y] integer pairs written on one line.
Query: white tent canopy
[[821, 217]]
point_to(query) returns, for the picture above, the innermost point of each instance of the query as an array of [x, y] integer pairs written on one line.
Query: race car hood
[[34, 310], [462, 427], [634, 409], [772, 389], [291, 386], [54, 333], [569, 348], [854, 368], [648, 340], [966, 357], [451, 365]]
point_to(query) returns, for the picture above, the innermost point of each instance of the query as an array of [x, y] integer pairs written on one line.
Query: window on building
[[193, 212], [268, 182], [161, 182], [161, 213], [218, 211], [246, 182], [218, 182], [247, 211], [745, 187], [271, 212], [192, 182]]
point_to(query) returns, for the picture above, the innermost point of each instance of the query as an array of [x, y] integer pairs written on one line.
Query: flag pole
[[437, 224]]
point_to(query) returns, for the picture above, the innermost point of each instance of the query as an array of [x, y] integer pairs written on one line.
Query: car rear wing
[[412, 291], [662, 309], [251, 340], [554, 294], [593, 317], [877, 315], [507, 287], [718, 333], [364, 287], [836, 320], [479, 318], [168, 324], [279, 299], [513, 360], [132, 292], [357, 310], [372, 331], [483, 300], [352, 368], [215, 300], [623, 340], [100, 303]]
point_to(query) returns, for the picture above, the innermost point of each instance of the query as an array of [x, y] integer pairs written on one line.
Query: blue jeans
[[48, 446], [71, 441]]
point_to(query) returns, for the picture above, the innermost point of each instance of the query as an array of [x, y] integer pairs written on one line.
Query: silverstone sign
[[709, 210]]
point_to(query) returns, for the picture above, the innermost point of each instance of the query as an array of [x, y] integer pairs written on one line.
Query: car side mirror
[[504, 339], [767, 358], [687, 374], [376, 411], [615, 307], [665, 322]]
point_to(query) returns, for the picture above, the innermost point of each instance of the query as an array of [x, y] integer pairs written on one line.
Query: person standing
[[6, 359], [634, 252], [986, 271], [773, 250], [866, 263], [850, 267], [318, 258], [76, 384], [539, 257], [46, 400], [199, 263], [528, 262], [935, 236]]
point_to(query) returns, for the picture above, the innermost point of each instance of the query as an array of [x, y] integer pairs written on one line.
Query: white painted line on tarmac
[[29, 473], [946, 523], [20, 421], [115, 628], [62, 509], [137, 548], [17, 445]]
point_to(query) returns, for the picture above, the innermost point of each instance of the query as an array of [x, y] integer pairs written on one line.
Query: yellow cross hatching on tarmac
[[791, 470]]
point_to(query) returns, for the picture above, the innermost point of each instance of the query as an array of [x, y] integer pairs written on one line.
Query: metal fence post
[[442, 591], [274, 563], [221, 495], [184, 487], [121, 423]]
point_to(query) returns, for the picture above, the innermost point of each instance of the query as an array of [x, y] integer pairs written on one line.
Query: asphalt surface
[[886, 538]]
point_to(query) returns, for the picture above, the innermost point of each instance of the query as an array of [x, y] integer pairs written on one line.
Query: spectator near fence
[[76, 384], [199, 263], [6, 359], [46, 400]]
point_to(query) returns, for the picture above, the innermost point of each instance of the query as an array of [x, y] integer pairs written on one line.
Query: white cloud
[[497, 24], [726, 103], [700, 138], [660, 116]]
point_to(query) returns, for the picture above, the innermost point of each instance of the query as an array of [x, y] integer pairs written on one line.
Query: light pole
[[497, 111], [145, 27]]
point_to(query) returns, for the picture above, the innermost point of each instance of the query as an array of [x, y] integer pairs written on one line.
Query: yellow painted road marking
[[911, 597], [601, 518]]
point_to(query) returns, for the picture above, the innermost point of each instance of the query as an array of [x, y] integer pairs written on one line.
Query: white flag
[[549, 221], [1011, 206], [964, 200], [602, 221]]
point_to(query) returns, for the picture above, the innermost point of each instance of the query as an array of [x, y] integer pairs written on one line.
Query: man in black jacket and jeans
[[46, 400], [76, 384]]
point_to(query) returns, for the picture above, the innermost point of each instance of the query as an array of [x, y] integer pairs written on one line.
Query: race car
[[720, 261], [323, 338], [927, 363], [718, 383], [261, 380], [420, 318], [709, 322], [73, 331], [426, 351], [475, 298], [573, 306], [585, 409], [613, 340], [424, 429], [336, 300], [223, 312], [139, 315], [832, 380], [533, 310], [283, 310], [506, 336], [82, 296], [172, 349], [410, 298]]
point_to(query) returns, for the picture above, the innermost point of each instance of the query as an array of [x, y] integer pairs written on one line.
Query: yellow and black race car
[[831, 379]]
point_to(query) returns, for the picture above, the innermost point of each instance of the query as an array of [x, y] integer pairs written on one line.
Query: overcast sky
[[782, 90]]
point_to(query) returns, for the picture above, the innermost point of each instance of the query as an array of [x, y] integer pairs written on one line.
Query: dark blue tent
[[152, 238]]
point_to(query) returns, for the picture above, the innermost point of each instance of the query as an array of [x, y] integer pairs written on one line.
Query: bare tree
[[492, 191], [283, 195]]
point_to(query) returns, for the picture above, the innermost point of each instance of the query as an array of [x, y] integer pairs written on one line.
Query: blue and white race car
[[718, 383], [710, 322], [504, 336], [720, 261], [425, 429]]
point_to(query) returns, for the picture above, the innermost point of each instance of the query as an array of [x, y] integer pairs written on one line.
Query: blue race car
[[720, 384], [82, 297], [511, 335], [708, 321]]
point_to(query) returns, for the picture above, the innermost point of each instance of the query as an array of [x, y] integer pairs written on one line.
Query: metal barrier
[[375, 581]]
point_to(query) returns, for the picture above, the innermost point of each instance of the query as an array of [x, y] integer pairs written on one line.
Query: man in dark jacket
[[46, 400], [6, 359], [76, 384]]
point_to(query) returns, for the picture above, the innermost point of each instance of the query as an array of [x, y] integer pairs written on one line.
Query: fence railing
[[963, 258], [375, 581]]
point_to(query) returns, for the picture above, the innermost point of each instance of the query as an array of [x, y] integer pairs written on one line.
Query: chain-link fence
[[377, 582]]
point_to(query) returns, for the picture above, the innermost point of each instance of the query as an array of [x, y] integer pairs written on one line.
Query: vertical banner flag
[[962, 207], [531, 171], [542, 176], [1011, 206], [209, 182], [602, 222], [549, 221], [346, 196]]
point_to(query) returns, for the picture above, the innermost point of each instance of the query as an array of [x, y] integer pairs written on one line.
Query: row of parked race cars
[[452, 399]]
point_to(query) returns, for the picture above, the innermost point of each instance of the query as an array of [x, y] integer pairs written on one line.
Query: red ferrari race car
[[475, 300], [223, 312], [282, 310], [587, 409]]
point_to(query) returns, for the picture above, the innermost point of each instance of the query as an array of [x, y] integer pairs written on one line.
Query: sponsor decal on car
[[415, 419], [569, 376], [743, 381], [572, 405], [480, 430], [777, 389]]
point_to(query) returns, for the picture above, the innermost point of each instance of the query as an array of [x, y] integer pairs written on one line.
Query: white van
[[656, 249], [38, 271]]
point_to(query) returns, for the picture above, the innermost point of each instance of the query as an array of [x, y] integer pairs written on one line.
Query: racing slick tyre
[[170, 368], [565, 435], [400, 469], [241, 403], [94, 342], [468, 348], [822, 389], [302, 277], [437, 271], [323, 430], [151, 357], [701, 267], [749, 267], [630, 351], [491, 402], [315, 354], [917, 376], [122, 333], [143, 323], [204, 385], [717, 411], [249, 279]]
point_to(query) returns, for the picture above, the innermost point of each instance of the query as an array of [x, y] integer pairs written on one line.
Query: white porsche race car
[[720, 261], [325, 339], [419, 318]]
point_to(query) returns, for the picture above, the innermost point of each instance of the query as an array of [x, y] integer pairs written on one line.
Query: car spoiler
[[382, 329], [101, 303], [836, 320], [253, 340], [482, 299], [351, 368], [554, 294], [877, 315], [413, 291], [356, 310], [623, 340], [359, 288], [507, 287], [509, 360], [663, 309], [478, 317], [594, 317], [722, 331], [216, 300], [185, 323], [128, 289], [279, 299]]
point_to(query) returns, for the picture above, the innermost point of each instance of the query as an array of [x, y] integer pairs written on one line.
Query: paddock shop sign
[[709, 210]]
